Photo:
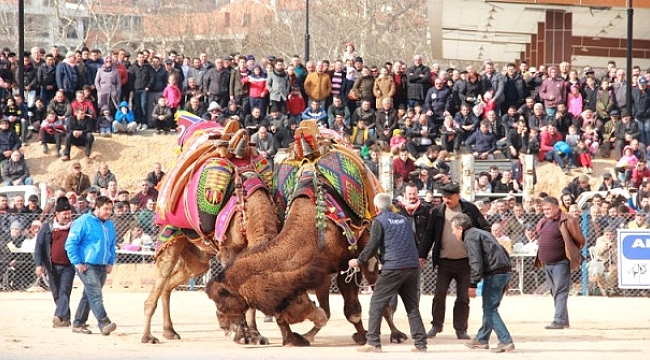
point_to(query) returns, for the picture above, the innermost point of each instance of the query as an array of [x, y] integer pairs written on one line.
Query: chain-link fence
[[135, 267]]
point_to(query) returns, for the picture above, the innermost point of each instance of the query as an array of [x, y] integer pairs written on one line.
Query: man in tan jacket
[[318, 84], [560, 241]]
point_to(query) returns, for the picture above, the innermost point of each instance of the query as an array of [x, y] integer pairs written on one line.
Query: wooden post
[[386, 171], [467, 177], [528, 174]]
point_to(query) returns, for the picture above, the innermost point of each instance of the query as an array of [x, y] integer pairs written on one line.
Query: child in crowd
[[585, 119], [533, 141], [397, 141], [573, 137], [37, 114], [105, 122], [316, 112], [590, 138], [490, 103], [161, 116], [172, 95], [124, 119], [14, 114], [574, 101], [584, 157], [295, 105], [450, 135], [640, 173], [626, 164]]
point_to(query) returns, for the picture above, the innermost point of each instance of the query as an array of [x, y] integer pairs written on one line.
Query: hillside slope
[[130, 158]]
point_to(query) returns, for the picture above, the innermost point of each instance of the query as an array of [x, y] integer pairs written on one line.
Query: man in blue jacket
[[392, 235], [488, 260], [91, 249]]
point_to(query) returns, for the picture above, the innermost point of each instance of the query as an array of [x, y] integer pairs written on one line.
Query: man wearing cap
[[9, 140], [641, 101], [67, 76], [450, 256], [625, 131], [609, 129], [76, 181], [91, 249], [33, 206], [50, 257]]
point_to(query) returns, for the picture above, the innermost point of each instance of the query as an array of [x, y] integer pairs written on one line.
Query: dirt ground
[[601, 328]]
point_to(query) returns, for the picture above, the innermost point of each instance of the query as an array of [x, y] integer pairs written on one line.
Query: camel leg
[[323, 296], [192, 263], [255, 336], [352, 306], [289, 338], [165, 264], [396, 336]]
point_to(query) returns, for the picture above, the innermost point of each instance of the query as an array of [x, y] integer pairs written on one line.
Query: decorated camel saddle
[[332, 175], [215, 170]]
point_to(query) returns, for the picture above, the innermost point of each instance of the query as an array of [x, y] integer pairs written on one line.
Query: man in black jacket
[[451, 258], [140, 80], [80, 133], [488, 260]]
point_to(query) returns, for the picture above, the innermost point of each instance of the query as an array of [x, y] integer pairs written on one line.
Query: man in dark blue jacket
[[482, 143], [488, 260], [50, 256], [392, 235]]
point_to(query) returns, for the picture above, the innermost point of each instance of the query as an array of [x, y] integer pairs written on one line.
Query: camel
[[217, 168], [317, 240]]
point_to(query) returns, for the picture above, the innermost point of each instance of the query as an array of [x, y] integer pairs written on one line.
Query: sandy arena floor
[[602, 328]]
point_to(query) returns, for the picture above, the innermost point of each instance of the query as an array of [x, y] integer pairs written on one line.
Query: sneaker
[[158, 131], [462, 335], [81, 329], [504, 347], [419, 349], [432, 333], [369, 348], [108, 327], [44, 149], [475, 344], [30, 127], [554, 326], [139, 127], [144, 127]]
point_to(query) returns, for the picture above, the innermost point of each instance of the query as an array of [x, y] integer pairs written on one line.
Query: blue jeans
[[27, 181], [60, 280], [558, 276], [494, 287], [552, 155], [140, 106], [404, 283], [93, 280], [644, 130]]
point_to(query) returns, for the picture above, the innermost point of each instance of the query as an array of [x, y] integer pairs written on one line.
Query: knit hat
[[62, 204]]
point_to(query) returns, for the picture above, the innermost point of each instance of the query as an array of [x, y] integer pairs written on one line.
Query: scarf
[[56, 226], [410, 208]]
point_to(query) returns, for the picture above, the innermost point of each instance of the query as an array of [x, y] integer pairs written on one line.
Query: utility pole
[[307, 37]]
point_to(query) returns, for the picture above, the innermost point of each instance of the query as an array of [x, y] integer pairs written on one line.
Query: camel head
[[231, 307]]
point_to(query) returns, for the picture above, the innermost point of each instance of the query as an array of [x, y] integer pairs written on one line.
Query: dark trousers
[[85, 141], [458, 270], [558, 275], [281, 105], [60, 280], [140, 106], [391, 282], [47, 138]]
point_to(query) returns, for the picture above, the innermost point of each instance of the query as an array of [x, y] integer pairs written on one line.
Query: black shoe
[[462, 335], [432, 333], [554, 326]]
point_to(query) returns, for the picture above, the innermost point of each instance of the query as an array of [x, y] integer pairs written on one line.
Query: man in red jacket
[[403, 165], [547, 152]]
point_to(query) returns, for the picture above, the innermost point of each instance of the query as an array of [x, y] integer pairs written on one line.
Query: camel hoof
[[397, 337], [257, 339], [359, 338], [263, 341], [150, 340], [296, 340], [171, 335]]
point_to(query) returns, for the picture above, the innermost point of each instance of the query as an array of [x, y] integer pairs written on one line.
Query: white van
[[42, 191]]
